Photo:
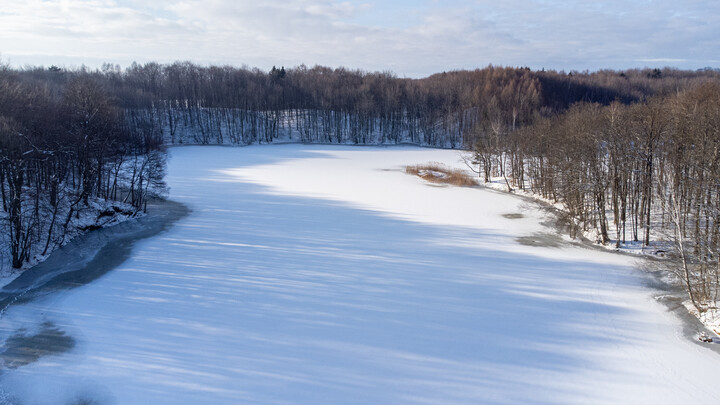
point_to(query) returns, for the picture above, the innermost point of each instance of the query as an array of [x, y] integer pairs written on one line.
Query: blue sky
[[410, 38]]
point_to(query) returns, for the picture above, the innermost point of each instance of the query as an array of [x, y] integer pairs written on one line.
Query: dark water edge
[[90, 256]]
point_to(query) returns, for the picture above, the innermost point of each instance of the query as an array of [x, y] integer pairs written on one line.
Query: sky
[[408, 38]]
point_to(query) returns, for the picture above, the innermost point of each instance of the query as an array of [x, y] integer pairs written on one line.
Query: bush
[[439, 173]]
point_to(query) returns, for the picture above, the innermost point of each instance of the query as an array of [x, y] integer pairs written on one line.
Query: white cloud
[[410, 37]]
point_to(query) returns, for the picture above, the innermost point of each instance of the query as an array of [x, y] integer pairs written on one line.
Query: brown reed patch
[[439, 173]]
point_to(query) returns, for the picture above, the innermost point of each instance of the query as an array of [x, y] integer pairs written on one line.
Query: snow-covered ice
[[325, 274]]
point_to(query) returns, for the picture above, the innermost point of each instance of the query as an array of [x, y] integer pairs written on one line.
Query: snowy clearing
[[325, 274]]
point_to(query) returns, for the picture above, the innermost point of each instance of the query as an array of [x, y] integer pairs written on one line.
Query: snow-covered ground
[[96, 214], [659, 247], [325, 274], [659, 244]]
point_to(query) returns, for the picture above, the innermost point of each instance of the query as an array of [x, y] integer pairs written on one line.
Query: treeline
[[223, 104], [243, 106], [64, 146], [640, 172], [319, 104]]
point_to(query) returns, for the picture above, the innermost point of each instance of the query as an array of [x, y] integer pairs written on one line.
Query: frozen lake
[[325, 274]]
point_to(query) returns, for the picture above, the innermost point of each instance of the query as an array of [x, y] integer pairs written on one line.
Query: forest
[[65, 148], [631, 155]]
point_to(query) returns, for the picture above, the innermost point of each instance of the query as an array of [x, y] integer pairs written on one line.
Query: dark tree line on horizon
[[320, 104], [185, 102]]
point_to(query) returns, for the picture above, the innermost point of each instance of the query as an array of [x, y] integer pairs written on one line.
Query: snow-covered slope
[[321, 274]]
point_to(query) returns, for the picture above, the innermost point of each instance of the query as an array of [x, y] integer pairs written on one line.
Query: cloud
[[412, 38]]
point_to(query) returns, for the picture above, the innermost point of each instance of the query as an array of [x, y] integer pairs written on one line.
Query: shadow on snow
[[302, 300]]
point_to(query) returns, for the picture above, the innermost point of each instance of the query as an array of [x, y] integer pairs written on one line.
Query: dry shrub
[[439, 173]]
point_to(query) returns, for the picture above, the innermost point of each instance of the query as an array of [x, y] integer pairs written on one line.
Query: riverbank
[[90, 256], [664, 289]]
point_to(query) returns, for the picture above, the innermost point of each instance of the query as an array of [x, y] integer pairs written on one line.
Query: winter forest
[[632, 156]]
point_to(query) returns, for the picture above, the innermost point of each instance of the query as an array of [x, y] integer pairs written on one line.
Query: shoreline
[[671, 296], [90, 256]]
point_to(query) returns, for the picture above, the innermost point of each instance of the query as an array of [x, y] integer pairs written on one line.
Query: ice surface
[[325, 274]]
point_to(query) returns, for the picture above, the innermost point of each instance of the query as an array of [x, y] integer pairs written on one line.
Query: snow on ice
[[325, 274]]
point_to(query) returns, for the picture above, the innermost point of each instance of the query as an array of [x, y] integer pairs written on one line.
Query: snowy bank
[[96, 214], [660, 251], [89, 255]]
